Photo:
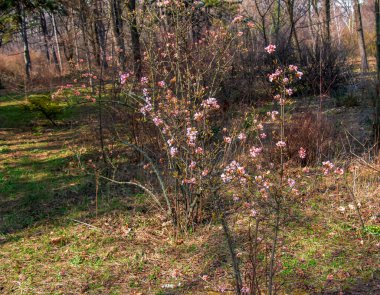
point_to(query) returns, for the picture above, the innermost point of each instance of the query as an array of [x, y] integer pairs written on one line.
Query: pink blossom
[[170, 141], [240, 33], [198, 116], [227, 139], [157, 121], [270, 48], [192, 165], [205, 172], [163, 3], [173, 151], [253, 213], [339, 171], [266, 184], [327, 165], [291, 182], [189, 181], [210, 103], [161, 84], [222, 289], [123, 78], [255, 151], [250, 24], [146, 109], [260, 126], [293, 68], [273, 115], [263, 135], [242, 136], [299, 75], [285, 80], [302, 153], [275, 75], [144, 80], [281, 144], [289, 91], [191, 136], [237, 19], [199, 150], [240, 170], [233, 169]]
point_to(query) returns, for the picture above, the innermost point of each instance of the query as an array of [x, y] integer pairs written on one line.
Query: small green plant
[[372, 230], [44, 105]]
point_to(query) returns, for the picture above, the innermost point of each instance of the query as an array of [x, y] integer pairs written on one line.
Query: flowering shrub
[[200, 161]]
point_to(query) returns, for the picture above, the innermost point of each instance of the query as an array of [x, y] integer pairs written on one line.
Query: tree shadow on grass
[[32, 190]]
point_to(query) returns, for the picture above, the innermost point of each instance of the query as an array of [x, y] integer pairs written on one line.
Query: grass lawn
[[52, 242]]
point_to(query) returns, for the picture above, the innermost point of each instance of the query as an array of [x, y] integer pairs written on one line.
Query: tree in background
[[360, 32], [377, 100]]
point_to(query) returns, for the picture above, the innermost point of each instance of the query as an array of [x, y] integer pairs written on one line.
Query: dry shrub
[[314, 132], [12, 71]]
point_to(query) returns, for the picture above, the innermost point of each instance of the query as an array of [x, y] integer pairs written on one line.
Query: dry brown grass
[[12, 72]]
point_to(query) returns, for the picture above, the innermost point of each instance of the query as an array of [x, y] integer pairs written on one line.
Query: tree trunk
[[377, 99], [118, 31], [361, 41], [277, 23], [293, 32], [135, 38], [24, 34], [45, 34], [326, 23], [57, 43], [84, 25], [100, 34]]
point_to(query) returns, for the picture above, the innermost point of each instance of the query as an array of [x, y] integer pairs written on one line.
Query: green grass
[[44, 249]]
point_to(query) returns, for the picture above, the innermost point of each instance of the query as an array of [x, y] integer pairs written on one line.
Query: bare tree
[[135, 37], [360, 32], [377, 99], [326, 22], [21, 17], [118, 31]]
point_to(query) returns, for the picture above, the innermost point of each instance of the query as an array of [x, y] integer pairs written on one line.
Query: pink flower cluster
[[237, 19], [255, 151], [234, 169], [274, 76], [281, 144], [147, 107], [123, 78], [294, 68], [191, 134], [210, 103], [302, 153], [270, 48]]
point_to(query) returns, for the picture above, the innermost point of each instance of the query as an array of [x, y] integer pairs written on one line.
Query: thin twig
[[138, 185], [86, 224]]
